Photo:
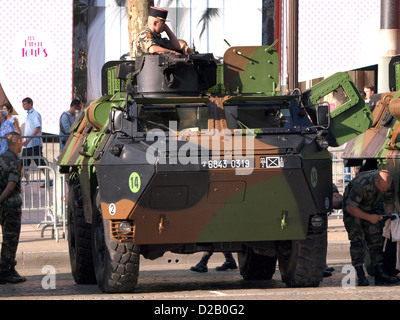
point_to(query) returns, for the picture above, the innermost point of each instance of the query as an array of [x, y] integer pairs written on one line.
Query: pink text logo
[[33, 48]]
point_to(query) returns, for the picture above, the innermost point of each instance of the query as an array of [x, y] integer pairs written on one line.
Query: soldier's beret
[[158, 13]]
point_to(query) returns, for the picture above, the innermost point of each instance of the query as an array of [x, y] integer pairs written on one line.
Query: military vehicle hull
[[236, 170], [189, 203]]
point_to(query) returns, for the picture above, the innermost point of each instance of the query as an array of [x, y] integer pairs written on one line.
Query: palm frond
[[206, 17]]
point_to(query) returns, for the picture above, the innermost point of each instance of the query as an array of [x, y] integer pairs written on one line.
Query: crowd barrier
[[341, 175], [44, 197], [44, 189]]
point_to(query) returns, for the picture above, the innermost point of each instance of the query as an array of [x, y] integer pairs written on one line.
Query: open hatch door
[[350, 116]]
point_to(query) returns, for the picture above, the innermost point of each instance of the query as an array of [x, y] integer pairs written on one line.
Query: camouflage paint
[[379, 146], [191, 204]]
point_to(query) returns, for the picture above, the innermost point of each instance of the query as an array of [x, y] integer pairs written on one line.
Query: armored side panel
[[251, 70], [381, 141], [350, 116]]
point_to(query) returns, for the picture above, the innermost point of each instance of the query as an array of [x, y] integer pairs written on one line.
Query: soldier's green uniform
[[362, 193], [10, 209], [147, 38]]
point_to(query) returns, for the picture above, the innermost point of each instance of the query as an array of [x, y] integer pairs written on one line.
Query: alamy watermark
[[49, 280], [349, 280], [213, 149]]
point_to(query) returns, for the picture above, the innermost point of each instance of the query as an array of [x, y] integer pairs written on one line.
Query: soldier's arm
[[174, 41], [157, 50], [7, 191], [358, 213]]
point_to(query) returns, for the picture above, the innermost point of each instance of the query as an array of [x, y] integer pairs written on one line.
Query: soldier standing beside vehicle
[[10, 208], [229, 263], [362, 223]]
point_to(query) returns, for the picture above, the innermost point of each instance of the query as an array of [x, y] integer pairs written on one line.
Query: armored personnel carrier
[[183, 155]]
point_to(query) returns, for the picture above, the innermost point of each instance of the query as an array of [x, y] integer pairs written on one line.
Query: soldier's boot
[[362, 280], [381, 277], [15, 277], [11, 275], [229, 263], [202, 265]]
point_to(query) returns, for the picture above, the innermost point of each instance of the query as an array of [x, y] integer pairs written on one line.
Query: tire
[[116, 265], [302, 262], [255, 266], [79, 239]]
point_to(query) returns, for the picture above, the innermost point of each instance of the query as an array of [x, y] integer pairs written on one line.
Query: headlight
[[125, 227], [317, 221]]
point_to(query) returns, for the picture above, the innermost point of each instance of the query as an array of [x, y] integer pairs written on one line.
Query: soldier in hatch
[[150, 40]]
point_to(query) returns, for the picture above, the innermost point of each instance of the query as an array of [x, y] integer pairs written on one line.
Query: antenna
[[227, 42]]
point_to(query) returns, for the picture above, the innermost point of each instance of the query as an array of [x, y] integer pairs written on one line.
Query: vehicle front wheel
[[116, 264], [302, 262]]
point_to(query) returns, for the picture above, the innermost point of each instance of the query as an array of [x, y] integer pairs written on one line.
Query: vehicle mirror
[[115, 121]]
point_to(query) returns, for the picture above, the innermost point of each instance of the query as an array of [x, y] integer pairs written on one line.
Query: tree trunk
[[138, 12]]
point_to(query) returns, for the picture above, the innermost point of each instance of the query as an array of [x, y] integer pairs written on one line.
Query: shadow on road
[[156, 282]]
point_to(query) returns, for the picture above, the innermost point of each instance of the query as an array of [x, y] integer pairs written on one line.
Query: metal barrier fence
[[44, 189], [341, 175]]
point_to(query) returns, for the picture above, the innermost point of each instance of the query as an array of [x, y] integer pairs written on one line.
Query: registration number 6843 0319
[[228, 163]]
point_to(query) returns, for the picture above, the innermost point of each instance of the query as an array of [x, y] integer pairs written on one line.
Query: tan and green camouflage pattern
[[379, 146], [172, 202]]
